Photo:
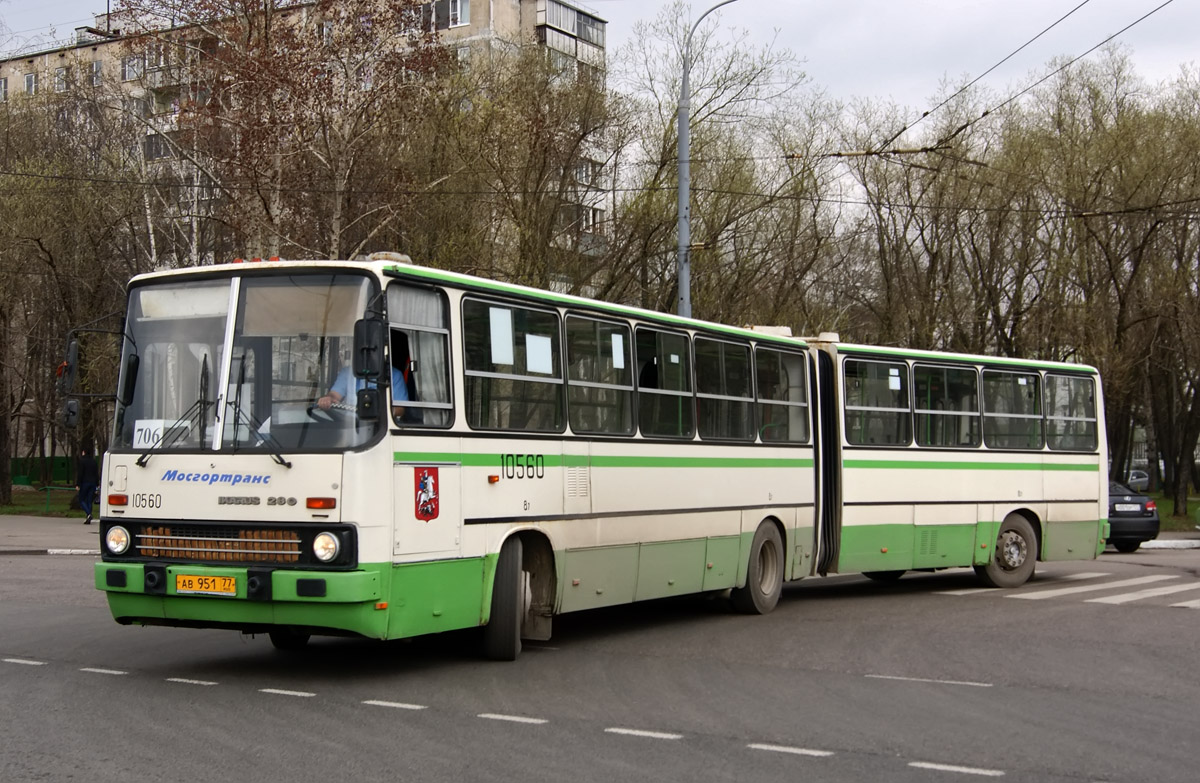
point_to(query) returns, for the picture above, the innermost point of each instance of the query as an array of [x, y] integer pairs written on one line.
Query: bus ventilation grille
[[219, 544]]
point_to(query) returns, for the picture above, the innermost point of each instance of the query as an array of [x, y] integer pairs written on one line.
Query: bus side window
[[782, 396], [877, 406], [1012, 410], [665, 405], [1070, 413], [420, 353]]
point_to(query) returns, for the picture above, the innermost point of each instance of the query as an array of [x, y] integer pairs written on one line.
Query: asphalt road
[[927, 679]]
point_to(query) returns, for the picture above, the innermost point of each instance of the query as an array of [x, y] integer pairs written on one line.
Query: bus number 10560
[[523, 465]]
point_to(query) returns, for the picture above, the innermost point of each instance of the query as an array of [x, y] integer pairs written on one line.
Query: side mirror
[[129, 380], [70, 414], [370, 335], [368, 404], [68, 371]]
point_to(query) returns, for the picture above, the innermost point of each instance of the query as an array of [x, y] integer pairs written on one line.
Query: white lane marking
[[510, 718], [102, 671], [644, 733], [787, 749], [279, 692], [991, 773], [1040, 594], [185, 681], [396, 705], [24, 662], [1067, 578], [1188, 604], [1138, 595], [922, 679], [968, 591]]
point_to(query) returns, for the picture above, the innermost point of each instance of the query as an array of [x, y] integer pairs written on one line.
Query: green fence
[[36, 470]]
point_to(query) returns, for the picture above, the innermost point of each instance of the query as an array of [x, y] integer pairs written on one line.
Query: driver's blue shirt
[[345, 381]]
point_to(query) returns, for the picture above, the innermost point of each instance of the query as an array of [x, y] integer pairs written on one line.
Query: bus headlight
[[117, 540], [326, 547]]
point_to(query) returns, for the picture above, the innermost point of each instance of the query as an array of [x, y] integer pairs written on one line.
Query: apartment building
[[99, 57]]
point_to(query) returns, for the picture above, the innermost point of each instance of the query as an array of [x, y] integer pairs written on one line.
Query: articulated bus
[[383, 450]]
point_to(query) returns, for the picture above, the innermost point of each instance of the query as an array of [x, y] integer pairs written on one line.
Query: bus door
[[428, 510], [828, 460]]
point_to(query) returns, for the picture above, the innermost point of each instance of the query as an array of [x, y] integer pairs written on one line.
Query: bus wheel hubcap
[[1012, 550]]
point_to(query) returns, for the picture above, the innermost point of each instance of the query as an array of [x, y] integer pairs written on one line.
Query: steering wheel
[[337, 412]]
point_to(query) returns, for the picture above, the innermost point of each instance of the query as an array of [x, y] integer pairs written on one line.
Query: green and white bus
[[496, 455]]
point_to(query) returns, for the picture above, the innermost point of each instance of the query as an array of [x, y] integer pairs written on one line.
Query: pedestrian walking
[[87, 477]]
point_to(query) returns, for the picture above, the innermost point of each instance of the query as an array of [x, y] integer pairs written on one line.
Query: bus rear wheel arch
[[1015, 555], [764, 572]]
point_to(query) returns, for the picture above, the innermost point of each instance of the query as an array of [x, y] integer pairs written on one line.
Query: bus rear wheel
[[764, 574], [1015, 557], [502, 634]]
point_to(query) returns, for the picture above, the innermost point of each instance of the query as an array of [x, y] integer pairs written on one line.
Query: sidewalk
[[23, 535]]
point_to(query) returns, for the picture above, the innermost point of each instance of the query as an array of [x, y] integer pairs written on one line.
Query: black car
[[1133, 518]]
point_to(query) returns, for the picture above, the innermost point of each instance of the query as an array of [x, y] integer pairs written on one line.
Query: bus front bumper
[[248, 599]]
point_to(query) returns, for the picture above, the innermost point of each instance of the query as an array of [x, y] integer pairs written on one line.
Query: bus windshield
[[215, 378]]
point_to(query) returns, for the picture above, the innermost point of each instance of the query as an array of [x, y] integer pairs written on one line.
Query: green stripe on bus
[[886, 464], [579, 461]]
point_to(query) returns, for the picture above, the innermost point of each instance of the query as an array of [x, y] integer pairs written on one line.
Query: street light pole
[[683, 272]]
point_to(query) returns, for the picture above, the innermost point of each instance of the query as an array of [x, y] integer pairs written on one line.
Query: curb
[[1169, 543]]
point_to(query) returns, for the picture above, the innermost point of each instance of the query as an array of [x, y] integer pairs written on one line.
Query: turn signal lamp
[[1151, 506], [321, 503], [118, 500]]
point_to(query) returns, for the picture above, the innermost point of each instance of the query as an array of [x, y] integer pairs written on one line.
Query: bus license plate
[[195, 584], [1129, 507]]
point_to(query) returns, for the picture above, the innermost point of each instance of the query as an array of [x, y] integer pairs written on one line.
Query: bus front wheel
[[1015, 557], [764, 574], [502, 634]]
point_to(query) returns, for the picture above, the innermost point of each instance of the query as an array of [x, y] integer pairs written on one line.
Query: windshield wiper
[[197, 411], [252, 425]]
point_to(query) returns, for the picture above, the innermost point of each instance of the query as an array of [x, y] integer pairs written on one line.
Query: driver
[[346, 381]]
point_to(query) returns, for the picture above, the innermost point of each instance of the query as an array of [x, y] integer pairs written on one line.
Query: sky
[[897, 50]]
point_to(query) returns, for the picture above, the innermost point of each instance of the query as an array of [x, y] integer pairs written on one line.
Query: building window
[[31, 84], [132, 67], [60, 79], [155, 147], [156, 56], [591, 30], [460, 13], [97, 73], [325, 32], [3, 89]]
